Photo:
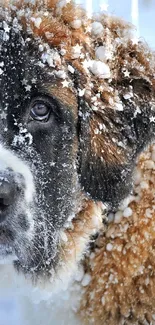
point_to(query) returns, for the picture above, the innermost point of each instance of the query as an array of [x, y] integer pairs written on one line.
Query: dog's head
[[76, 108]]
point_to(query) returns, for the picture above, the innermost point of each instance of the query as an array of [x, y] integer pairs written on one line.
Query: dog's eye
[[40, 111]]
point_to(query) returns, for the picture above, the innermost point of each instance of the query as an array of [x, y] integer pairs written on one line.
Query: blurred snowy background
[[142, 14]]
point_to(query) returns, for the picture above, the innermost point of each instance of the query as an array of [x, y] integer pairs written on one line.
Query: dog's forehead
[[17, 55], [23, 66], [15, 61]]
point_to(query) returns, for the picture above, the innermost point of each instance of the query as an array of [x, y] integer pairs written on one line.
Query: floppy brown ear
[[110, 141]]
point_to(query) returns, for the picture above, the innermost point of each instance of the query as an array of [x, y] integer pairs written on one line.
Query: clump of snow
[[111, 217], [137, 176], [79, 274], [148, 213], [37, 21], [71, 69], [86, 280], [76, 23], [96, 28], [100, 69], [51, 57], [109, 247], [144, 185], [119, 106], [149, 164], [102, 53], [103, 300], [128, 95], [60, 74], [81, 92], [41, 48], [124, 204], [61, 3], [62, 52], [127, 212], [118, 216]]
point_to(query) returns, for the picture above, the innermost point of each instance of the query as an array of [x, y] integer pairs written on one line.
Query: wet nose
[[8, 194]]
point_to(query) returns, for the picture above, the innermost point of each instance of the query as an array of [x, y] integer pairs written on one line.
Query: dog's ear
[[111, 138]]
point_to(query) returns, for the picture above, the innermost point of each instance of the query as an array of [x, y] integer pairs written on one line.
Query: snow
[[37, 21], [124, 204], [109, 247], [144, 185], [96, 28], [100, 53], [31, 305], [9, 311], [81, 92], [111, 217], [2, 64], [71, 69], [119, 106], [41, 310], [128, 95], [51, 57], [149, 164], [79, 274], [62, 3], [86, 280], [62, 52], [103, 300], [118, 216], [60, 74], [63, 236], [76, 23], [127, 212], [100, 69]]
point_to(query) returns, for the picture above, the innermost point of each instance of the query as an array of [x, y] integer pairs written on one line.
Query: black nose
[[8, 194]]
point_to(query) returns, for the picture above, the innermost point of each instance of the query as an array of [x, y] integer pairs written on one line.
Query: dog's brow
[[64, 95]]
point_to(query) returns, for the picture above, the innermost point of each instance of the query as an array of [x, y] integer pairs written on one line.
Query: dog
[[77, 115]]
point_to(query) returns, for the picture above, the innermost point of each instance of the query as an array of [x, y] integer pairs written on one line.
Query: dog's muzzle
[[10, 192], [16, 199]]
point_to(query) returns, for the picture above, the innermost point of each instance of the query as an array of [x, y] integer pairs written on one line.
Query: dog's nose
[[8, 194]]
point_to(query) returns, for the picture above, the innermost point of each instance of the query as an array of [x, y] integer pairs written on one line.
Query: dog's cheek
[[105, 168], [55, 177]]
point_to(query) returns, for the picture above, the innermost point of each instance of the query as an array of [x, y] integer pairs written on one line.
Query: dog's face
[[39, 184], [53, 145]]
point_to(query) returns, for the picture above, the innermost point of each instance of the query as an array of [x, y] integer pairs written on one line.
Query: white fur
[[52, 302], [48, 302], [9, 160]]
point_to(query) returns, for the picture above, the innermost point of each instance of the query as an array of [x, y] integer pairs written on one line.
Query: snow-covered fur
[[77, 161]]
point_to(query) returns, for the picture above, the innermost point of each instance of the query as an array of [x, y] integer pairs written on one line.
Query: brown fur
[[123, 279], [122, 289]]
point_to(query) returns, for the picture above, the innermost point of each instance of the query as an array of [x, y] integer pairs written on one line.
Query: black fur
[[60, 170]]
